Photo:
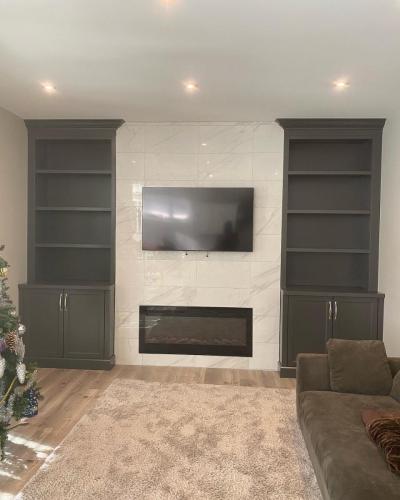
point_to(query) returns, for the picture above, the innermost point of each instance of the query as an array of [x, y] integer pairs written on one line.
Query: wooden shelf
[[70, 245], [331, 172], [330, 212], [328, 250], [72, 172], [73, 209]]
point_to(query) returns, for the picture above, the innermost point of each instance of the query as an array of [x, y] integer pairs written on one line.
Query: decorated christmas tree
[[18, 388]]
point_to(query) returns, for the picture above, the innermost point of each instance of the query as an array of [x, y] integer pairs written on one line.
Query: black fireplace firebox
[[215, 331]]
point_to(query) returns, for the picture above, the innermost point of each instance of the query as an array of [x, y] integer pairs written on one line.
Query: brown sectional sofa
[[347, 464]]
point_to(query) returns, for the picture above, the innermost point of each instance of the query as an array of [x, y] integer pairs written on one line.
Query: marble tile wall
[[199, 154]]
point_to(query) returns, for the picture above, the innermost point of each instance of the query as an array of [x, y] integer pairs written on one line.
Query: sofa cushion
[[351, 465], [395, 392], [359, 367]]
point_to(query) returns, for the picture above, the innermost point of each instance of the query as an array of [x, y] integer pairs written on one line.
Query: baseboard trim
[[287, 371], [82, 364]]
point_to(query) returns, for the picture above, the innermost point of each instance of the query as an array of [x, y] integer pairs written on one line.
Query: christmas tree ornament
[[21, 329], [13, 313], [2, 366], [11, 340], [21, 372], [33, 403], [20, 349], [3, 272], [3, 345]]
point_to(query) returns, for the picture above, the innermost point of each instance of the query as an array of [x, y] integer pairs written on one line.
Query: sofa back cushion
[[359, 367], [395, 392]]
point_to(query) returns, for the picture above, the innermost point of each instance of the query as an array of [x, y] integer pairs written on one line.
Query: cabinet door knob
[[60, 302], [336, 311]]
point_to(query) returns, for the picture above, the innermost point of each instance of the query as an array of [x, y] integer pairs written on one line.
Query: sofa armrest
[[394, 365], [312, 373]]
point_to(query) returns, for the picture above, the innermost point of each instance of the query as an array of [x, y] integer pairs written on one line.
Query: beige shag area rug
[[181, 441]]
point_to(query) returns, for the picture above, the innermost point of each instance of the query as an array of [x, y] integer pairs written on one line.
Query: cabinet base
[[287, 371], [82, 364]]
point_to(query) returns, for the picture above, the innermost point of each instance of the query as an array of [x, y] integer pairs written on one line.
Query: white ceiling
[[253, 59]]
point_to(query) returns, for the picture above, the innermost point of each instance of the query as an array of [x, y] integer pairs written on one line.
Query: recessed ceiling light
[[341, 84], [191, 87], [49, 88], [204, 144]]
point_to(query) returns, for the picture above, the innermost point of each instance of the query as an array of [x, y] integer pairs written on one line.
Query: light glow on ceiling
[[49, 88], [191, 87], [341, 84]]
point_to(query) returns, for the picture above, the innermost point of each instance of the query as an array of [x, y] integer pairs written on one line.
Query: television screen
[[208, 219]]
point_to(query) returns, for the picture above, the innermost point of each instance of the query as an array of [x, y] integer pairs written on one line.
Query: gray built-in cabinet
[[68, 302], [330, 234]]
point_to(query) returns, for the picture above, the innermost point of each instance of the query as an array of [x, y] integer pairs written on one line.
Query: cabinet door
[[41, 312], [355, 318], [309, 325], [83, 323]]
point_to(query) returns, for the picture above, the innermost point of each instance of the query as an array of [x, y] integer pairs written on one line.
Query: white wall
[[235, 154], [389, 261], [13, 197]]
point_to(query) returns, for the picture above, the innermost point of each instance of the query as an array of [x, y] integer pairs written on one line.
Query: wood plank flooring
[[70, 393]]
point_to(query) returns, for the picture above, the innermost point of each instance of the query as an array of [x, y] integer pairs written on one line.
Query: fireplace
[[215, 331]]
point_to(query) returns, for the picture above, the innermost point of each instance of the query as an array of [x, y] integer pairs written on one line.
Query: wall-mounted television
[[197, 219]]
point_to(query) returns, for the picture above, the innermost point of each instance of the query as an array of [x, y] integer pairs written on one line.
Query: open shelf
[[62, 264], [327, 250], [73, 227], [65, 190], [328, 230], [73, 154], [329, 193], [73, 209], [330, 212], [346, 270], [330, 155], [331, 172], [73, 172], [69, 245]]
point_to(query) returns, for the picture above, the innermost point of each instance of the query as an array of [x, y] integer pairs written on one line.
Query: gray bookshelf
[[71, 243], [330, 238]]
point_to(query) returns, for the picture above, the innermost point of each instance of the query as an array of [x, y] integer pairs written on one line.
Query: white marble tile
[[129, 244], [225, 139], [130, 138], [166, 183], [268, 194], [266, 247], [267, 166], [265, 275], [169, 360], [268, 138], [265, 356], [228, 166], [220, 297], [223, 274], [169, 295], [267, 221], [130, 271], [167, 166], [127, 320], [266, 329], [171, 138], [129, 218], [240, 363], [128, 297], [129, 192], [170, 273], [174, 256], [264, 301], [130, 166], [127, 352]]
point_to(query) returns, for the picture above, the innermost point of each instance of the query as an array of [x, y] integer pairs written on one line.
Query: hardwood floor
[[68, 394]]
